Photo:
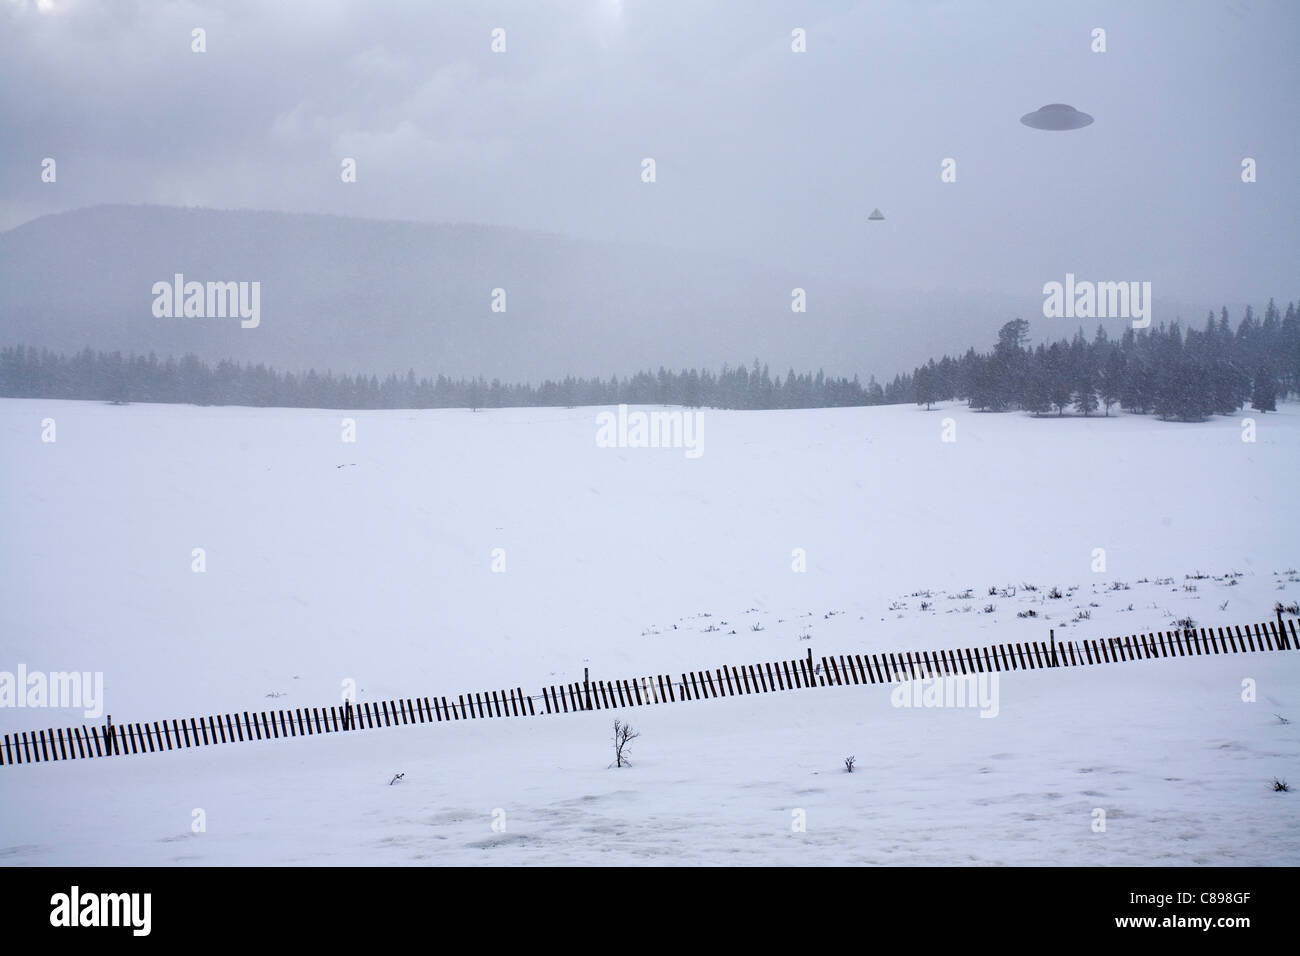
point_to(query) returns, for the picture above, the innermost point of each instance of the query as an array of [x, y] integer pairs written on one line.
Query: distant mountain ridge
[[365, 295]]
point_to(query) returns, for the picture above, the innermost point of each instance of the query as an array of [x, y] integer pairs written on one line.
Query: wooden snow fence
[[120, 739]]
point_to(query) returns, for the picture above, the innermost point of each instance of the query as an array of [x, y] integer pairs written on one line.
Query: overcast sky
[[761, 152]]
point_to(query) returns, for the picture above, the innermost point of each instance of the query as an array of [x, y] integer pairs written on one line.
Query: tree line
[[111, 376], [1177, 375]]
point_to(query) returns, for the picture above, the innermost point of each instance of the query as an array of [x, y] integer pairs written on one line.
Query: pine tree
[[1290, 351], [1112, 378], [1008, 365], [1084, 374], [1263, 397], [1058, 378], [1036, 397], [927, 385]]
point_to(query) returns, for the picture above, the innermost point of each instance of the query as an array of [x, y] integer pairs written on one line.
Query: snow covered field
[[1167, 749], [374, 561]]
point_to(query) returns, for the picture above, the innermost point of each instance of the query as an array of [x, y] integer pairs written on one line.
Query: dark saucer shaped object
[[1056, 116]]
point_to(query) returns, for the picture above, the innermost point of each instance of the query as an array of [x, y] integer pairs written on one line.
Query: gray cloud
[[764, 154]]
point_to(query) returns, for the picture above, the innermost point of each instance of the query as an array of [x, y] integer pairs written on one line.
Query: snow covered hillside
[[448, 550]]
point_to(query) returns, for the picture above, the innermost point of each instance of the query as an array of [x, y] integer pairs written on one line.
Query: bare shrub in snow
[[623, 735], [1280, 786], [849, 762]]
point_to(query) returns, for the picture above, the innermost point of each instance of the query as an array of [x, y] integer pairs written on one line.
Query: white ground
[[622, 560]]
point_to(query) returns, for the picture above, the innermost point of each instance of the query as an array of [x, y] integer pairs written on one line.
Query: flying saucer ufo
[[1056, 116], [876, 214]]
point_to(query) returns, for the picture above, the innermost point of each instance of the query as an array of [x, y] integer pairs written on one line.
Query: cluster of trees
[[111, 376], [1185, 376]]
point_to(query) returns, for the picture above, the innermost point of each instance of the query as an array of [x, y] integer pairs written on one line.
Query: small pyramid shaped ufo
[[876, 214], [1055, 117]]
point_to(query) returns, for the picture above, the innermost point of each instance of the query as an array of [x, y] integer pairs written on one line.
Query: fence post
[[1052, 633], [586, 685]]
